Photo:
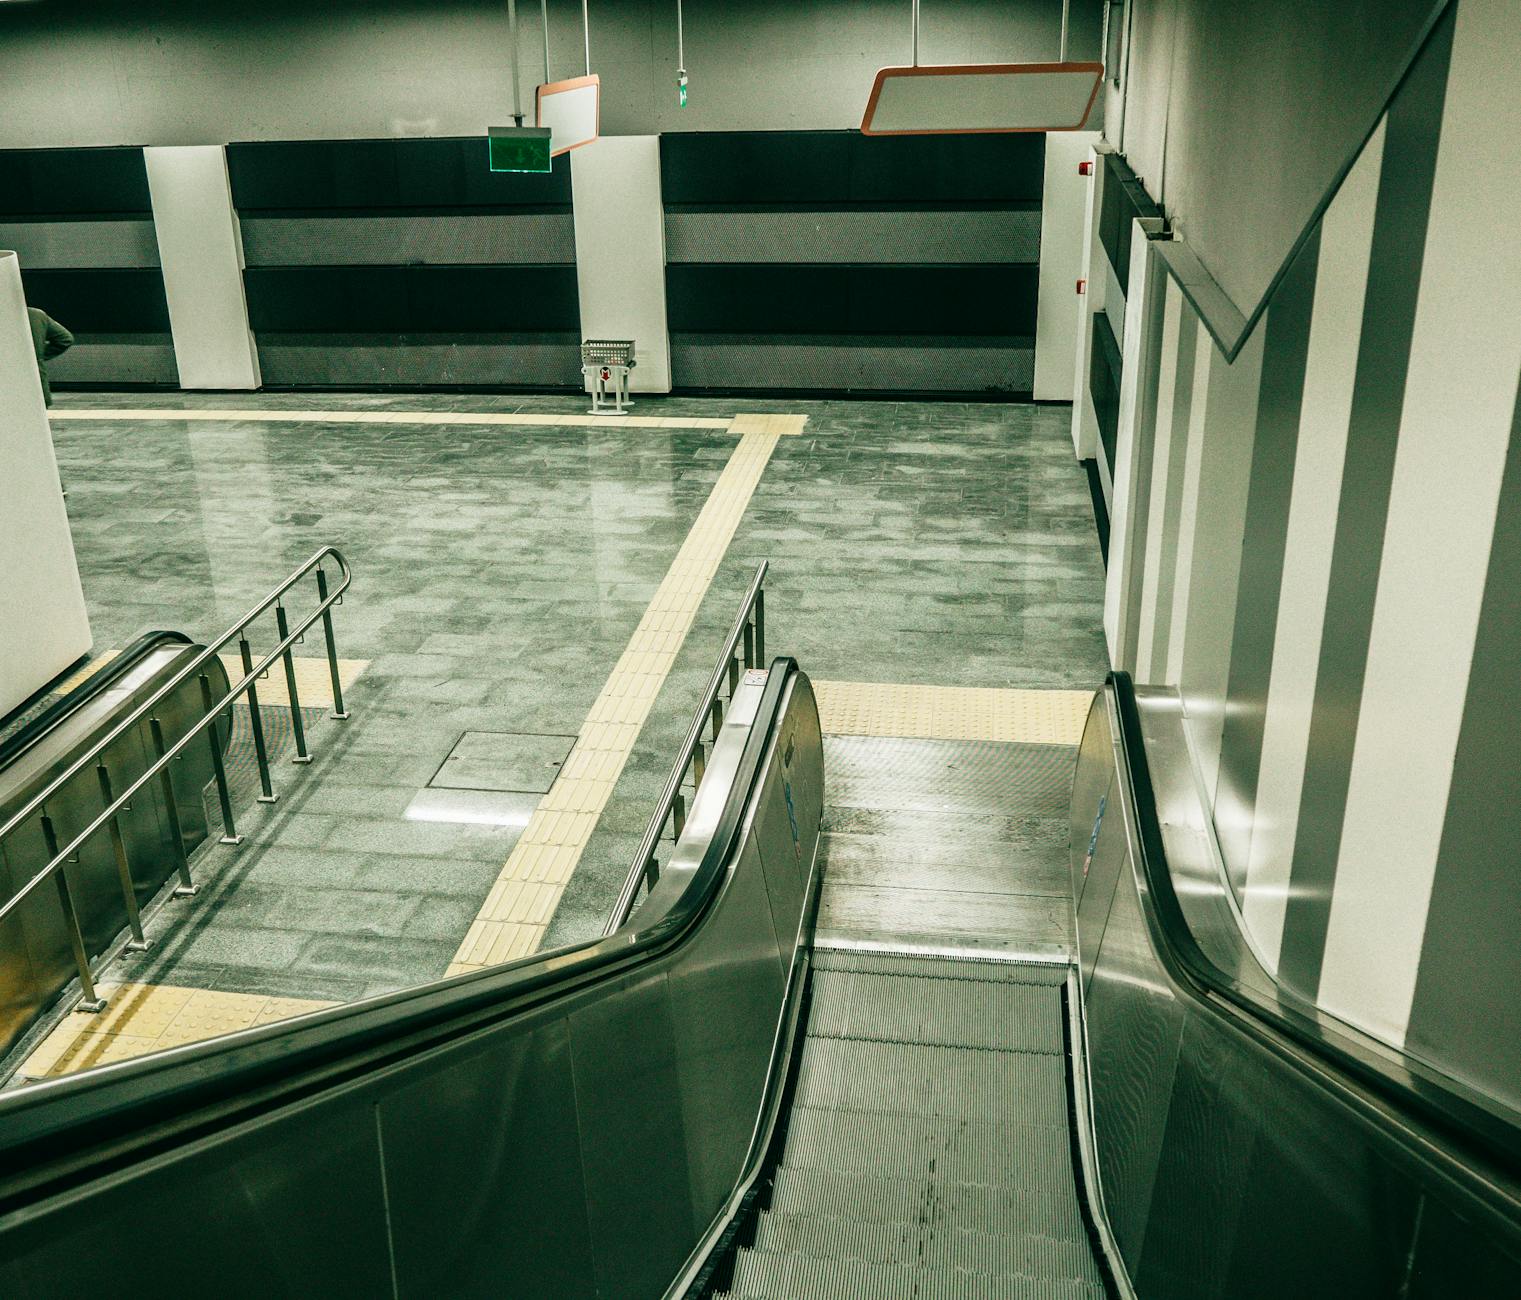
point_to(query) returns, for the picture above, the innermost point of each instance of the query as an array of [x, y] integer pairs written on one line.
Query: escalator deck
[[928, 1147]]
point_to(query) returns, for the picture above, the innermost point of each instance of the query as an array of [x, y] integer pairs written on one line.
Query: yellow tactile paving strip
[[513, 919], [952, 712], [143, 1018], [739, 424], [314, 682], [85, 671]]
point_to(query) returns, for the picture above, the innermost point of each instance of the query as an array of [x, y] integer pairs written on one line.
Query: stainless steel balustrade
[[744, 649], [114, 804]]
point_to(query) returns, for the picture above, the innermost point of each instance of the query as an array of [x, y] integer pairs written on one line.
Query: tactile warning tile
[[524, 418], [516, 913], [314, 678], [952, 712], [783, 425], [143, 1018]]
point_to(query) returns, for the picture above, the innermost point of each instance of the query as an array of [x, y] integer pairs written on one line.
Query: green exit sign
[[518, 148]]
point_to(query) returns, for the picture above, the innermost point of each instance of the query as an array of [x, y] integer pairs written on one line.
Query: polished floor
[[500, 573]]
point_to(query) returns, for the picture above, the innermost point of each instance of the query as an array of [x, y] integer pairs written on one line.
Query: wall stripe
[[1280, 397], [1394, 279], [1346, 237], [1454, 437], [1205, 355], [1224, 471], [1470, 957], [1148, 559], [1192, 371]]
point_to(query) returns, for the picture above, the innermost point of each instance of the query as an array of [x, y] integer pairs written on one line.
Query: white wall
[[1062, 261], [202, 255], [620, 251], [164, 72], [43, 625]]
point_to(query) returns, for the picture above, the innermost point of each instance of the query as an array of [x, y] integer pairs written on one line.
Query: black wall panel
[[412, 299], [72, 183], [356, 176], [1123, 201], [835, 169], [889, 300], [101, 301]]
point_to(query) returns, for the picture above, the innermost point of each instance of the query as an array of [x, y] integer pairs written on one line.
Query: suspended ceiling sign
[[572, 110], [970, 98]]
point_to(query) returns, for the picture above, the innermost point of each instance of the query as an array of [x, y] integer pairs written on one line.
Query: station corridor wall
[[1319, 546]]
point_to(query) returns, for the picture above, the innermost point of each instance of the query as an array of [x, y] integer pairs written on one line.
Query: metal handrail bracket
[[117, 802], [750, 629]]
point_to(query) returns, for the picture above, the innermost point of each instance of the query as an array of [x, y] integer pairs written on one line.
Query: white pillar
[[201, 250], [620, 251], [1062, 234], [43, 624]]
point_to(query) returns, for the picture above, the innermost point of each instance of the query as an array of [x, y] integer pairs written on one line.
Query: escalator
[[36, 958], [714, 1099]]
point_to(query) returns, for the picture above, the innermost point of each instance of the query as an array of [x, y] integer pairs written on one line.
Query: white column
[[43, 624], [620, 251], [1142, 321], [1085, 434], [201, 250], [1062, 233]]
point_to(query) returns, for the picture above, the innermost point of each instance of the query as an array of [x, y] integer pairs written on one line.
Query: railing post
[[137, 943], [718, 718], [749, 646], [224, 796], [760, 627], [256, 721], [89, 999], [733, 677], [297, 727], [678, 815], [187, 887], [332, 650], [699, 763]]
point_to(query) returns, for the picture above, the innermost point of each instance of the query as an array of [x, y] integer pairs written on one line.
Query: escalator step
[[953, 968], [917, 1245], [909, 1079], [948, 1013], [766, 1275], [872, 1142], [878, 1198]]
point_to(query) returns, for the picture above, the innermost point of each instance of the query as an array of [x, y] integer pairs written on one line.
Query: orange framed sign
[[572, 110], [981, 98]]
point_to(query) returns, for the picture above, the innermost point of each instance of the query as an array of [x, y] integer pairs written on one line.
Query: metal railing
[[745, 648], [115, 804]]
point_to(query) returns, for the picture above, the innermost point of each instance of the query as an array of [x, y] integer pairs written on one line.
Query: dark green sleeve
[[59, 340]]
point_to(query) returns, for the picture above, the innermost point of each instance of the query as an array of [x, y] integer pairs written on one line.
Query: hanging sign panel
[[572, 110], [973, 98]]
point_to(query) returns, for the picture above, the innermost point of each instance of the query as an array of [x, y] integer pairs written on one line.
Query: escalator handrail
[[106, 674], [1462, 1136], [60, 1132]]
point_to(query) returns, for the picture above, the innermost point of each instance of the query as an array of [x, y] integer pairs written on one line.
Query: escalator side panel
[[296, 1209], [1230, 1168], [473, 1198], [722, 1062], [1135, 1027]]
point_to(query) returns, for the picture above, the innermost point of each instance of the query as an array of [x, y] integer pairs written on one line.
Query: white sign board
[[960, 99], [572, 110]]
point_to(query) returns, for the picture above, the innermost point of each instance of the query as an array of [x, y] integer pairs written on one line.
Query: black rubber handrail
[[59, 1133], [1471, 1136], [106, 674]]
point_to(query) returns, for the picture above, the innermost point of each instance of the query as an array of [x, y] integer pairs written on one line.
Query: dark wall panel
[[412, 299], [73, 183], [101, 301], [1123, 201], [308, 176], [833, 169], [727, 299]]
